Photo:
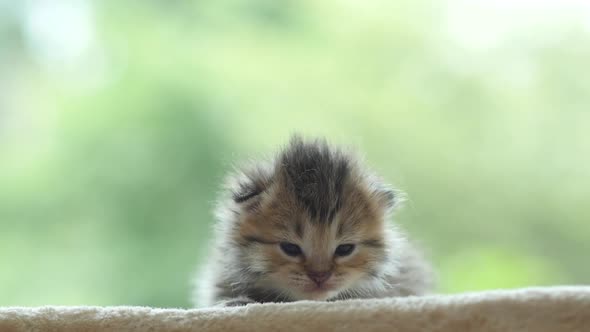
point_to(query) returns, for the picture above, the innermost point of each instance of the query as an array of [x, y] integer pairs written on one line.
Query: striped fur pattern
[[330, 213]]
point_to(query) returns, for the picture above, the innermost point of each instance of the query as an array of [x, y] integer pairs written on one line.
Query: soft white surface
[[560, 309]]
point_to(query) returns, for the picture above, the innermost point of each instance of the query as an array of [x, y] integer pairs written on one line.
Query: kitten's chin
[[317, 294]]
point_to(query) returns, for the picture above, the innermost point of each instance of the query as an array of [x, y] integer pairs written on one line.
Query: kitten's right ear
[[247, 185], [246, 191]]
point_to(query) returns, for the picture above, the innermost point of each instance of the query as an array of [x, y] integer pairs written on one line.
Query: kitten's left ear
[[387, 198]]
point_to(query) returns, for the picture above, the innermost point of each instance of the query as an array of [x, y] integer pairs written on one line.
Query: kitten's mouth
[[318, 293], [318, 289]]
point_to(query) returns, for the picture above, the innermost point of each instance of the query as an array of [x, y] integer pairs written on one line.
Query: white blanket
[[561, 309]]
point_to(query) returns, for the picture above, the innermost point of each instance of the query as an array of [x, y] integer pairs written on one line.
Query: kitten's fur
[[317, 197]]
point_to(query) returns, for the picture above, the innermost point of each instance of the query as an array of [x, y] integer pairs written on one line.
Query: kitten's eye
[[344, 250], [290, 249]]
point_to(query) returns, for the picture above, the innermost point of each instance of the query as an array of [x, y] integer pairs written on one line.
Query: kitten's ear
[[387, 198], [245, 191], [247, 185]]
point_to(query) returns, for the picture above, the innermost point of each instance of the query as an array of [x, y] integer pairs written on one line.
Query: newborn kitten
[[312, 224]]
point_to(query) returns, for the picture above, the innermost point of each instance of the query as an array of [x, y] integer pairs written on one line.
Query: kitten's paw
[[237, 302]]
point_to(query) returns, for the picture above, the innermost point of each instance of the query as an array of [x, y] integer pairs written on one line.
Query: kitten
[[311, 224]]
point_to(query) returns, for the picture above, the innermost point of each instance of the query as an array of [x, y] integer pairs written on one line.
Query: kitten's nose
[[319, 277]]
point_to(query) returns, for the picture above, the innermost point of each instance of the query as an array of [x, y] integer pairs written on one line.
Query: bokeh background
[[118, 119]]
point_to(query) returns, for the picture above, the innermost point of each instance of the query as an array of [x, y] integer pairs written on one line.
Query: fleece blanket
[[562, 309]]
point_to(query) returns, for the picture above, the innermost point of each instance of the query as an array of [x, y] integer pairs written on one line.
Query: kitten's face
[[307, 258]]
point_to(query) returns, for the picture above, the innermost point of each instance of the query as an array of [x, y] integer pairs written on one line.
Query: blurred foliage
[[112, 149]]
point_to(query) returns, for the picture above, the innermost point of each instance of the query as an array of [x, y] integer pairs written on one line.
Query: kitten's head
[[312, 224]]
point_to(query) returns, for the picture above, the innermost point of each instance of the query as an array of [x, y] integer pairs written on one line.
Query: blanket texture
[[560, 309]]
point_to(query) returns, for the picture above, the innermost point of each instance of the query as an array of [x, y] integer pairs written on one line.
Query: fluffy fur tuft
[[312, 223]]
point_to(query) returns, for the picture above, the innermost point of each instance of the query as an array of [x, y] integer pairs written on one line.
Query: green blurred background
[[118, 119]]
